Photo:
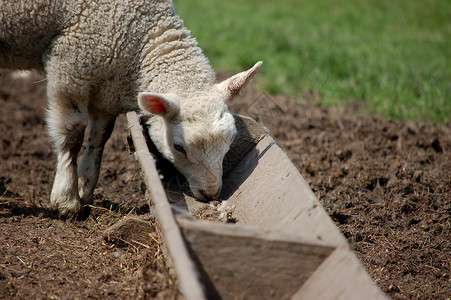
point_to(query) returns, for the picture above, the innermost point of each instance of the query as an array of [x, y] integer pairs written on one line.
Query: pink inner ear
[[154, 105]]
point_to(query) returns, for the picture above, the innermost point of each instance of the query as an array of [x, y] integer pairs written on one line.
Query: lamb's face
[[198, 140], [195, 133]]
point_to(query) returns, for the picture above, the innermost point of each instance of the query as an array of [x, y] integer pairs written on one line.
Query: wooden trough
[[283, 244]]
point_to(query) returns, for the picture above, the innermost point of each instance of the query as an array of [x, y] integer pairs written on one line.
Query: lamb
[[103, 58]]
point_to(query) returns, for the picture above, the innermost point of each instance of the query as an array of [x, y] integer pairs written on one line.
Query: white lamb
[[103, 58]]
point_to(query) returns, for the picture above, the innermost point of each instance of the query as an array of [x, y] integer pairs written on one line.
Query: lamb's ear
[[165, 105], [236, 83]]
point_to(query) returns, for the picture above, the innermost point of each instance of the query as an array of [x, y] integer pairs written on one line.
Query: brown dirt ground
[[386, 184]]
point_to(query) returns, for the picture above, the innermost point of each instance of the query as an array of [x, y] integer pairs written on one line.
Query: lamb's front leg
[[100, 127], [66, 125]]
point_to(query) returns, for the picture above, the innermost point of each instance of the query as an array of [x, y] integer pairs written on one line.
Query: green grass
[[395, 56]]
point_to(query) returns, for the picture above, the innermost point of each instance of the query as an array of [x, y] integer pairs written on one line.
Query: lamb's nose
[[211, 194]]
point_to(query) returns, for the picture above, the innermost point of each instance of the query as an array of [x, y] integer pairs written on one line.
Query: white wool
[[97, 57]]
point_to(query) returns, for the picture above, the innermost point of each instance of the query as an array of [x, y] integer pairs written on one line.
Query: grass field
[[395, 56]]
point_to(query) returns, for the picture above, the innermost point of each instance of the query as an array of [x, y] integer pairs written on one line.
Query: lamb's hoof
[[68, 209], [83, 213], [65, 214]]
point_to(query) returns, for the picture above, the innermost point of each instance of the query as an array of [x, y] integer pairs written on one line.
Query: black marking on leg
[[107, 130], [74, 139]]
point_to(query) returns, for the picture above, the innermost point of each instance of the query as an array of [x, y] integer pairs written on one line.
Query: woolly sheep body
[[108, 48], [97, 57]]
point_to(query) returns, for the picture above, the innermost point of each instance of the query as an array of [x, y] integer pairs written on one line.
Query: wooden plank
[[242, 263], [189, 284], [269, 192], [340, 277]]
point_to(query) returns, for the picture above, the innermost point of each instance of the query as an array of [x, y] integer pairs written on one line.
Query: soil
[[386, 184]]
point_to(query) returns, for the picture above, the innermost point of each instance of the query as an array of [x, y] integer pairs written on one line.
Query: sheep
[[104, 58]]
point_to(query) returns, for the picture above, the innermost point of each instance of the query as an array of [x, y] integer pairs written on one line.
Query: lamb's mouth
[[203, 196]]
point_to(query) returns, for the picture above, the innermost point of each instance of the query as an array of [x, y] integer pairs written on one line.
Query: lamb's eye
[[179, 148]]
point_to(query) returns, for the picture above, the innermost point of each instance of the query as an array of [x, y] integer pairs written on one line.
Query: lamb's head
[[195, 133]]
